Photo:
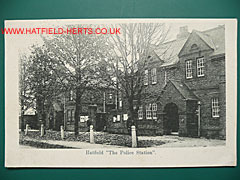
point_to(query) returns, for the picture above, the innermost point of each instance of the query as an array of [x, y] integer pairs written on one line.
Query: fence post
[[42, 130], [91, 135], [134, 137], [26, 130], [62, 132]]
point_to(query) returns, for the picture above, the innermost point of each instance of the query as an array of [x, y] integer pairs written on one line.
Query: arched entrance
[[171, 120]]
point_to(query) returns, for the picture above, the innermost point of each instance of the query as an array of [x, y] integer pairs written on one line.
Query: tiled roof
[[215, 38], [168, 52], [206, 38], [217, 35]]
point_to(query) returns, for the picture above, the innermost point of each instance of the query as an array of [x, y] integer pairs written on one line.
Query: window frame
[[145, 80], [200, 67], [154, 111], [140, 112], [154, 75], [215, 107], [71, 95], [188, 69], [149, 112]]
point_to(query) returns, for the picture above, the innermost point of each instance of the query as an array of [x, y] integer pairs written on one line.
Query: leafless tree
[[128, 59]]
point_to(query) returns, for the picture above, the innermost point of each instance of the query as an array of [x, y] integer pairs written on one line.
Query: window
[[188, 69], [110, 98], [69, 118], [200, 67], [140, 112], [72, 112], [71, 95], [154, 111], [154, 75], [148, 112], [120, 103], [70, 115], [146, 77], [118, 117], [194, 47], [215, 107], [125, 117], [82, 118], [165, 77]]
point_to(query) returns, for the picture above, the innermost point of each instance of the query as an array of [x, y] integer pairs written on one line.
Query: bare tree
[[76, 58], [129, 59]]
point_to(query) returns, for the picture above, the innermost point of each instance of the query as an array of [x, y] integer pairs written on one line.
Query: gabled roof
[[217, 35], [214, 38], [183, 90], [168, 52], [206, 38]]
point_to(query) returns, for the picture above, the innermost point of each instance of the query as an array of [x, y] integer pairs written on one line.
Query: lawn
[[99, 137]]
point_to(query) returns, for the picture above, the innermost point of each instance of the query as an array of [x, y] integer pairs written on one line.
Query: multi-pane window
[[200, 67], [188, 69], [140, 112], [146, 77], [215, 107], [154, 111], [148, 112], [154, 75], [70, 115]]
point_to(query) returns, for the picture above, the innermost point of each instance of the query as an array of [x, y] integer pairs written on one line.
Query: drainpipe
[[199, 118]]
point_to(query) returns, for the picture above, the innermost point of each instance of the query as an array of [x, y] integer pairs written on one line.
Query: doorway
[[171, 119]]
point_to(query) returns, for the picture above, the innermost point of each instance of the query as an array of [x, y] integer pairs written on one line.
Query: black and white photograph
[[120, 93]]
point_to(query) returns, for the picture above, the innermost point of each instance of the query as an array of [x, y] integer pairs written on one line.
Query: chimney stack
[[183, 32]]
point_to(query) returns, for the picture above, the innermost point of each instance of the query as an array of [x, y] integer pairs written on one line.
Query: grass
[[99, 137]]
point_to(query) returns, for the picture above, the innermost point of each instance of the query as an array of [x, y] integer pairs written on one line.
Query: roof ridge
[[218, 27]]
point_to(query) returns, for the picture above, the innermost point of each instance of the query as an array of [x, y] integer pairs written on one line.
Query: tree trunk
[[130, 120], [77, 111]]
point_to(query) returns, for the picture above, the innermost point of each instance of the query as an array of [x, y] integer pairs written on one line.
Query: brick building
[[96, 103], [184, 90]]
